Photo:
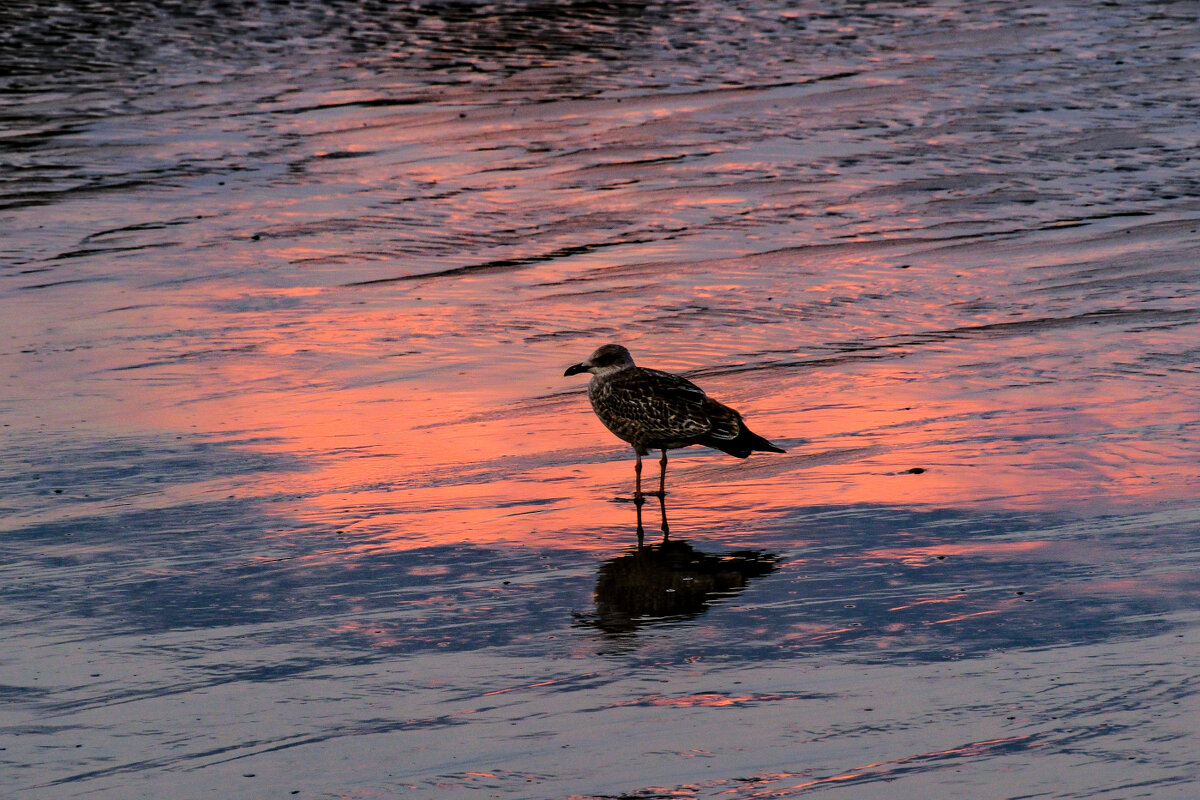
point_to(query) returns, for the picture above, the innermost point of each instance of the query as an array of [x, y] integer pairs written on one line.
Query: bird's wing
[[724, 423], [663, 406]]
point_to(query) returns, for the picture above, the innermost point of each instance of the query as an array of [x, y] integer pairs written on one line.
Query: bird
[[655, 410]]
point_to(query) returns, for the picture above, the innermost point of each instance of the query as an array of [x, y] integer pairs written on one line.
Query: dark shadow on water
[[669, 582]]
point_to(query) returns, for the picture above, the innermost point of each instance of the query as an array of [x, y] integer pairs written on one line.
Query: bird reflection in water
[[639, 501], [670, 581]]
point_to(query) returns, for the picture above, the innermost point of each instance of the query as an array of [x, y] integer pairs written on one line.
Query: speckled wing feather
[[724, 422], [651, 409]]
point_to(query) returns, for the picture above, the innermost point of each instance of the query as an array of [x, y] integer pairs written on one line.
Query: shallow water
[[297, 501]]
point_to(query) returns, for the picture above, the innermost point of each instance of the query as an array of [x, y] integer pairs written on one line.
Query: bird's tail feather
[[747, 441]]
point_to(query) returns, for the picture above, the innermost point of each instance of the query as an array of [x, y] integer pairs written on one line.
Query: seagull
[[655, 410]]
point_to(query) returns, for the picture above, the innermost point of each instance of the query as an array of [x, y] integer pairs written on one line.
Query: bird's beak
[[575, 369]]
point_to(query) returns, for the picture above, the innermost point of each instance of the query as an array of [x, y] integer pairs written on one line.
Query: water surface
[[297, 501]]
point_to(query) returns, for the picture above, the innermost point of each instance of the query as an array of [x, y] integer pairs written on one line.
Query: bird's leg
[[641, 532], [662, 475], [637, 471], [662, 507]]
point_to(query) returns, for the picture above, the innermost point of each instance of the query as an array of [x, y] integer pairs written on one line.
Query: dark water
[[297, 502]]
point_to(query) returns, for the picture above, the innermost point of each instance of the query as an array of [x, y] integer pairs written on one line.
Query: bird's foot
[[638, 498]]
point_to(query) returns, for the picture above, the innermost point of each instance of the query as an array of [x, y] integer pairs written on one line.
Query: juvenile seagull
[[655, 410]]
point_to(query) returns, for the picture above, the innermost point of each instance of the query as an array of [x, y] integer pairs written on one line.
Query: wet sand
[[297, 501]]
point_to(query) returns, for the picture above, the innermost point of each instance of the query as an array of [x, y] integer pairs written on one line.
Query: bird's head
[[609, 358]]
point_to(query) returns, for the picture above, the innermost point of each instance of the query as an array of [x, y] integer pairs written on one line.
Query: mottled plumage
[[655, 410]]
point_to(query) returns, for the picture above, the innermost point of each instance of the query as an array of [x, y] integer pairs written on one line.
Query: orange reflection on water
[[949, 599], [961, 617], [918, 556], [705, 700], [416, 414], [881, 768], [457, 455]]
